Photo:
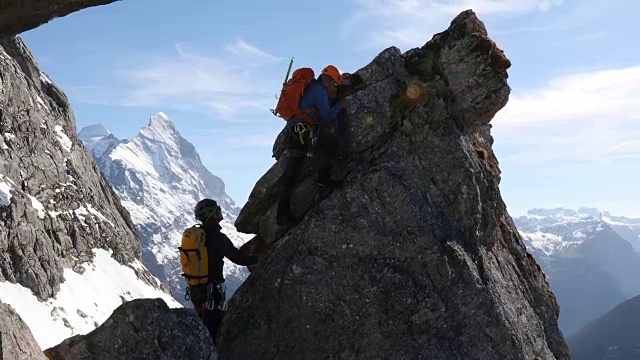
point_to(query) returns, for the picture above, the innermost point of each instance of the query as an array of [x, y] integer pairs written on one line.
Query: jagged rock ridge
[[416, 256], [159, 178]]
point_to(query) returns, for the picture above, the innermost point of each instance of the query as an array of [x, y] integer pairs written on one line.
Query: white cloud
[[546, 5], [232, 84], [410, 23], [591, 116], [249, 52]]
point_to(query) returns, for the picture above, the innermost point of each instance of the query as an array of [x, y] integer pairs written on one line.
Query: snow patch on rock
[[84, 301]]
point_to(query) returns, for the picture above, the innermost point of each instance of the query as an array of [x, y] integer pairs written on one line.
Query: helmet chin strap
[[209, 217]]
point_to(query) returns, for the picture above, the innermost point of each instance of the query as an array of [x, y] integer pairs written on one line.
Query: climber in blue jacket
[[318, 95]]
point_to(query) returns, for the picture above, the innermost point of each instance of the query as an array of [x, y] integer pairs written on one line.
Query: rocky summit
[[415, 256]]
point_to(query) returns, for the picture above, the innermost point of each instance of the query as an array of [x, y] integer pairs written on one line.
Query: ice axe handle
[[286, 78]]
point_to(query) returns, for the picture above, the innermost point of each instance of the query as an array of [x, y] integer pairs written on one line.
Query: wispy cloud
[[250, 53], [593, 116], [411, 23], [232, 84]]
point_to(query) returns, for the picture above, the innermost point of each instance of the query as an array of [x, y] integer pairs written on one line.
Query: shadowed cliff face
[[415, 257], [21, 15]]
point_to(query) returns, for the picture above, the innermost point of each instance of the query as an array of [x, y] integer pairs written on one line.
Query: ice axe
[[286, 78]]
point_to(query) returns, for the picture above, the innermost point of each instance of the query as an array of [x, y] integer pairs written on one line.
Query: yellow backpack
[[193, 256]]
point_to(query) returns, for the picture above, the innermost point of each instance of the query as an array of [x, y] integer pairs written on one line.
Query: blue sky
[[569, 135]]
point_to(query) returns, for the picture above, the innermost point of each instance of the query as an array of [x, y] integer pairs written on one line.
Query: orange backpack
[[288, 106]]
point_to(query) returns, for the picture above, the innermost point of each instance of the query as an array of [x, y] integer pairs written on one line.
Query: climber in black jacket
[[210, 300]]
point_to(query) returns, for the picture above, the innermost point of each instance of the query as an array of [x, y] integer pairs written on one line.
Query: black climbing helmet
[[204, 208]]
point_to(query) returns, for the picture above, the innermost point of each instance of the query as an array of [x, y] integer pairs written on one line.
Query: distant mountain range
[[615, 335], [159, 178], [590, 257]]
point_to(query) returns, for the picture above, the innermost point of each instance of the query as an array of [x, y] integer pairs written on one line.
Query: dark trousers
[[211, 318], [329, 145], [295, 152]]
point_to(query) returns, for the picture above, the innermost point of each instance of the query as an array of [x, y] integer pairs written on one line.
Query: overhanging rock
[[23, 15]]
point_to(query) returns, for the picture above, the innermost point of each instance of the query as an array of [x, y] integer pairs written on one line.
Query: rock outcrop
[[23, 15], [16, 340], [416, 256], [141, 329]]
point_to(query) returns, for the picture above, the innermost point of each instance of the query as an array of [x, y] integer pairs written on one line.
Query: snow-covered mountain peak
[[98, 139], [159, 178], [161, 120], [557, 213], [588, 231], [593, 212], [562, 227], [170, 163], [161, 129], [93, 132]]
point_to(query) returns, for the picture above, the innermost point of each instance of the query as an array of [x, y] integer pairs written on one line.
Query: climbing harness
[[300, 129], [212, 303]]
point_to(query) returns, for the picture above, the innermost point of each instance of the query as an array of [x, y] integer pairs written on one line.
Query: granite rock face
[[141, 329], [16, 340], [55, 206], [22, 15], [415, 257]]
